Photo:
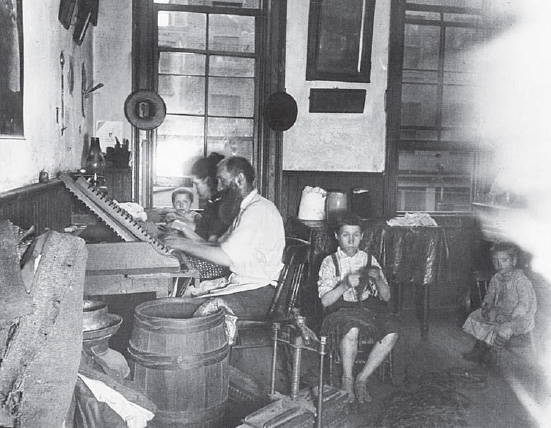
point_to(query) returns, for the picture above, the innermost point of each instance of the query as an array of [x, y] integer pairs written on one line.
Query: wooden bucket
[[181, 363]]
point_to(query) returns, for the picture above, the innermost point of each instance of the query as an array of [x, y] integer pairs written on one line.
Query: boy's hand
[[500, 318], [374, 272], [484, 309], [489, 314], [353, 280]]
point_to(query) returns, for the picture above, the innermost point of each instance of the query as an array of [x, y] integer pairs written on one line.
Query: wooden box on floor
[[287, 413]]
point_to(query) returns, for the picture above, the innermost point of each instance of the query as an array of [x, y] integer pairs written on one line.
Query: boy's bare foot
[[347, 384], [360, 388]]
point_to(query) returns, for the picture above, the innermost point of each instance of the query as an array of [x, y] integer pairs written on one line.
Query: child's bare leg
[[349, 349], [377, 355]]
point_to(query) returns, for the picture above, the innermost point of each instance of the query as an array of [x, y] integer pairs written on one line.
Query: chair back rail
[[292, 276], [295, 258]]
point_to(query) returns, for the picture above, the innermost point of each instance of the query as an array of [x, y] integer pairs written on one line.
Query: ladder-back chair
[[293, 275]]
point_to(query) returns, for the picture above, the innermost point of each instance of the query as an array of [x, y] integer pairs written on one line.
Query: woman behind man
[[211, 225]]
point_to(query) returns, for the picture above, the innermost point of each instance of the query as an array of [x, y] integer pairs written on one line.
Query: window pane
[[460, 48], [459, 106], [231, 66], [468, 134], [434, 181], [183, 94], [459, 17], [231, 137], [179, 143], [421, 46], [420, 76], [230, 127], [458, 3], [231, 33], [231, 97], [461, 78], [182, 63], [418, 134], [425, 16], [247, 4], [419, 105], [182, 29]]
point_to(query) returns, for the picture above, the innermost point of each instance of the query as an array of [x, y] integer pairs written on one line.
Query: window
[[437, 146], [207, 66]]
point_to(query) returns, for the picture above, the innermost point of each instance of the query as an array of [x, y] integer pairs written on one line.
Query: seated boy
[[354, 289], [182, 199]]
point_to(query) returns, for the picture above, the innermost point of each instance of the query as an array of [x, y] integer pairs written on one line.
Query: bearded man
[[252, 247]]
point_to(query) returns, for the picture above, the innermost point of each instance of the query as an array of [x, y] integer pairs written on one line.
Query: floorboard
[[488, 396]]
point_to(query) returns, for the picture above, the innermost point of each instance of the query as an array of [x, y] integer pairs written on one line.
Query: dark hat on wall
[[145, 109], [280, 111]]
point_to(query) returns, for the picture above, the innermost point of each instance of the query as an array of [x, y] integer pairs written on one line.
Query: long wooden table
[[410, 256]]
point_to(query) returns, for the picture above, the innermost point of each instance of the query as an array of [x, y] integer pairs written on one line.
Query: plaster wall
[[328, 141], [43, 145], [113, 64]]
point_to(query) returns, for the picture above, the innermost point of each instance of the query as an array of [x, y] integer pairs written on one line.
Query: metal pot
[[336, 204]]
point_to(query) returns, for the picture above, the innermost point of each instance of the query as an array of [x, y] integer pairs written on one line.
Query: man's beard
[[230, 204]]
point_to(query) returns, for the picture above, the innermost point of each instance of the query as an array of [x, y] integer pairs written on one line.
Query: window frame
[[395, 129], [209, 53]]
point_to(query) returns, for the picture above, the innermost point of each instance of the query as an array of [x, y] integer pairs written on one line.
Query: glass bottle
[[95, 162]]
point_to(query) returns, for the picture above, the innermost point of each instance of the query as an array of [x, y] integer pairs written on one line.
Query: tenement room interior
[[423, 120]]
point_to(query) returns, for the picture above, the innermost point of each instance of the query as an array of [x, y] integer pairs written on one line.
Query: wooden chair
[[385, 371], [292, 276], [481, 280]]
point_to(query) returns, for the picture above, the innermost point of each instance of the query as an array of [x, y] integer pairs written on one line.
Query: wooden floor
[[487, 396]]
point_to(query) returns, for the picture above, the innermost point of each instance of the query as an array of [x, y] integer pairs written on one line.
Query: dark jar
[[336, 204], [95, 162]]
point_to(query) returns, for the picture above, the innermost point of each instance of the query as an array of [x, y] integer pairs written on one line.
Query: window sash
[[210, 89]]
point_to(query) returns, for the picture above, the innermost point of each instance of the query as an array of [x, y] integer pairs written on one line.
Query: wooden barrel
[[181, 363]]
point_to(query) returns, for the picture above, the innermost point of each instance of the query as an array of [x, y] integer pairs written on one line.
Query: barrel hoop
[[153, 360], [193, 416], [191, 325]]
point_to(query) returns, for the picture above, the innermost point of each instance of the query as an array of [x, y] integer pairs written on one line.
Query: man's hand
[[176, 242], [173, 216], [179, 225]]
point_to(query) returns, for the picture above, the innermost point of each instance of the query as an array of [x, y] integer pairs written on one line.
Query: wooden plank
[[122, 284], [126, 256], [44, 206]]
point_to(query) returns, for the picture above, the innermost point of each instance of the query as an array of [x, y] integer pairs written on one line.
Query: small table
[[409, 255]]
